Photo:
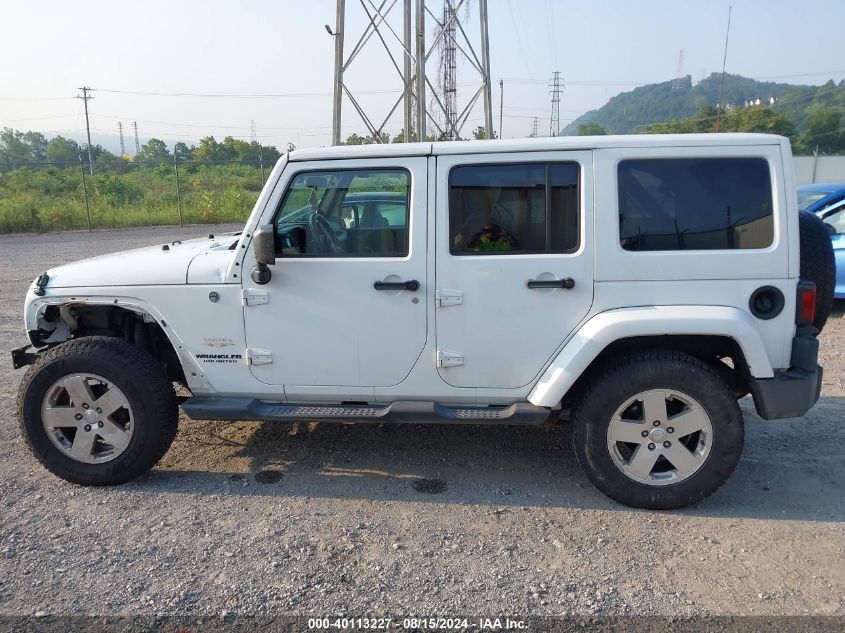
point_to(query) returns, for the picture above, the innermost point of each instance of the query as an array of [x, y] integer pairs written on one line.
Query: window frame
[[334, 256], [547, 197], [773, 198]]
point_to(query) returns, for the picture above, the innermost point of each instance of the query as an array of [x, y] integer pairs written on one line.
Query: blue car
[[827, 201]]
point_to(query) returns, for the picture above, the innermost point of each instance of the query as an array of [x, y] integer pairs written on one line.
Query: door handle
[[413, 285], [567, 283]]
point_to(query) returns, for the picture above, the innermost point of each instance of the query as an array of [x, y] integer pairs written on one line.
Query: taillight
[[806, 306]]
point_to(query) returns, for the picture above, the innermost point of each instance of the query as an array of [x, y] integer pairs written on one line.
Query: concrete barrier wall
[[810, 169]]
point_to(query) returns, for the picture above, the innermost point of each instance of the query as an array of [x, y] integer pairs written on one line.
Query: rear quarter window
[[695, 204]]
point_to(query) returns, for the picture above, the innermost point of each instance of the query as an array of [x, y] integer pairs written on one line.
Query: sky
[[280, 47]]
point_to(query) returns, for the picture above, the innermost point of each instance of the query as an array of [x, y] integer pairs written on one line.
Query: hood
[[164, 264]]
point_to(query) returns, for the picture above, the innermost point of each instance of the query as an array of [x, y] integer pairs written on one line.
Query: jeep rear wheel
[[97, 411], [657, 430]]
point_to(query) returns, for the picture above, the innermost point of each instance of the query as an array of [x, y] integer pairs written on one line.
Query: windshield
[[807, 198]]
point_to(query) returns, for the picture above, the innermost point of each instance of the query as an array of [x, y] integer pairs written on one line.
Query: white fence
[[810, 169]]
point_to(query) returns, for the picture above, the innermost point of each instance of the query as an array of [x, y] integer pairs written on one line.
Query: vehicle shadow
[[790, 470]]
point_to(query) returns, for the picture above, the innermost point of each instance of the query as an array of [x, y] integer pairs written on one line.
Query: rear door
[[514, 264]]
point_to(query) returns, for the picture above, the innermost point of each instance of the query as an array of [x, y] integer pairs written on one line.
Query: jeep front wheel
[[97, 411], [657, 430]]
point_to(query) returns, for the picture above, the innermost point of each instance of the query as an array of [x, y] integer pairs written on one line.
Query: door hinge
[[449, 359], [259, 356], [446, 297], [253, 297]]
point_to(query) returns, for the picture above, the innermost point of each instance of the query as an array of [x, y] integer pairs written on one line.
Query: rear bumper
[[793, 392]]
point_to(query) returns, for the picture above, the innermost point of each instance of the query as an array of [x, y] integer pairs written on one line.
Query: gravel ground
[[322, 519]]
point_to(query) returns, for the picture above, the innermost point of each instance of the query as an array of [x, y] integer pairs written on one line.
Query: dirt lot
[[335, 519]]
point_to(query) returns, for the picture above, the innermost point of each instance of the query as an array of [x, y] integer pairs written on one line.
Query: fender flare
[[607, 327], [34, 306]]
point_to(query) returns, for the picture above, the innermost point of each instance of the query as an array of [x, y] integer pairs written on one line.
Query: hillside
[[627, 112]]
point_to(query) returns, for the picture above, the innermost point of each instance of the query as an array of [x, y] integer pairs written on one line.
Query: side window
[[345, 213], [695, 204], [515, 208]]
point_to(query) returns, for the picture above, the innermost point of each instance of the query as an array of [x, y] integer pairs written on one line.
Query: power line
[[232, 95]]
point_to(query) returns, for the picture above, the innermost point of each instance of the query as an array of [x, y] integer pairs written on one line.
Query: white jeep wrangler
[[635, 285]]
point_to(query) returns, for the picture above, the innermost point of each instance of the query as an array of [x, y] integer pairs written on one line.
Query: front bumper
[[793, 392]]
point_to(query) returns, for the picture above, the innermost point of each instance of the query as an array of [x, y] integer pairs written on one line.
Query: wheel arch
[[709, 333], [55, 320]]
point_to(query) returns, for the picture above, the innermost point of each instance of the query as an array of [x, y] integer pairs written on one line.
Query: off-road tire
[[818, 263], [136, 374], [630, 375]]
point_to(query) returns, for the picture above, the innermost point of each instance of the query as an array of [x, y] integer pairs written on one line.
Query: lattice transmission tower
[[409, 52], [448, 69], [676, 82], [555, 86]]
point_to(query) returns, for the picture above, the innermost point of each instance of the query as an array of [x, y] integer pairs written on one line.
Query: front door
[[344, 306], [513, 263]]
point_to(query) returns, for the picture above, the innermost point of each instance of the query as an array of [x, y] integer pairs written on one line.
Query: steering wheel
[[324, 233]]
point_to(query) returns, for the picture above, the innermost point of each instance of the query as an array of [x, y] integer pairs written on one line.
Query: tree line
[[812, 117], [823, 132], [30, 149]]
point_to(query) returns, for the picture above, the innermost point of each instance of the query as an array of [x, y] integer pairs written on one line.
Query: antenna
[[137, 142], [724, 63], [122, 145], [555, 86], [676, 82]]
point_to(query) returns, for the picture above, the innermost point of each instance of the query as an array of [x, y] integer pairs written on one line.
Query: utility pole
[[724, 63], [501, 104], [85, 97], [85, 191], [122, 145], [178, 192], [555, 86], [137, 142], [485, 68], [338, 71], [407, 69], [420, 63]]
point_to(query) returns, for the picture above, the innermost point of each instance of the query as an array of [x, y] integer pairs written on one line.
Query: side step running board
[[233, 409]]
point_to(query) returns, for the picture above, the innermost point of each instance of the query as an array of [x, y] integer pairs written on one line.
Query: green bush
[[52, 199]]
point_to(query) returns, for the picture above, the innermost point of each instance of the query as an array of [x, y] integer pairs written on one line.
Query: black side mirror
[[264, 247]]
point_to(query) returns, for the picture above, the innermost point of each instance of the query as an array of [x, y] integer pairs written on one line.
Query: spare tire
[[817, 263]]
